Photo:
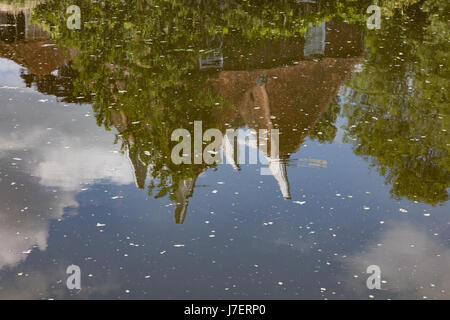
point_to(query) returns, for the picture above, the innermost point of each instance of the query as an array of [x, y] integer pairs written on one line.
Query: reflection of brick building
[[291, 98], [28, 44], [45, 65], [41, 58]]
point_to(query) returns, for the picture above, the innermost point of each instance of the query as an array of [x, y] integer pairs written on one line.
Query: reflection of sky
[[413, 261], [10, 74], [48, 153]]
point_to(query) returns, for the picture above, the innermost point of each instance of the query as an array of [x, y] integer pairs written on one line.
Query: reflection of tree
[[138, 61], [134, 63], [398, 116], [60, 84], [325, 129]]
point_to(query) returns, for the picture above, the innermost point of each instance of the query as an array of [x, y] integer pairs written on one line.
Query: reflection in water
[[413, 263], [289, 98], [398, 108], [15, 23], [43, 168], [147, 70]]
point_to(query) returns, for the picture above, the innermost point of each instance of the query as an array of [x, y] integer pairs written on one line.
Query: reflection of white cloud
[[24, 217], [67, 148], [69, 169], [56, 149], [9, 66], [413, 263], [10, 74], [51, 284]]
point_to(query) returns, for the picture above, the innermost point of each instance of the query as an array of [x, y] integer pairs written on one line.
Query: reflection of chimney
[[120, 121], [139, 169], [229, 152], [182, 194], [277, 166], [278, 169]]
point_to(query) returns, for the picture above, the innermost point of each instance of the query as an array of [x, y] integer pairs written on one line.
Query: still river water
[[86, 177]]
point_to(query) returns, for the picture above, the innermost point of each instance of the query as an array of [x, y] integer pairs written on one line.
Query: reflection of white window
[[315, 40], [211, 60]]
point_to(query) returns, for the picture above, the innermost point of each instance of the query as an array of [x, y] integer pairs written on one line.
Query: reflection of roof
[[295, 96], [229, 149], [39, 57], [183, 193], [26, 43], [139, 169]]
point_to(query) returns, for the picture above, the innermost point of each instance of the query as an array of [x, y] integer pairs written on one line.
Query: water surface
[[86, 177]]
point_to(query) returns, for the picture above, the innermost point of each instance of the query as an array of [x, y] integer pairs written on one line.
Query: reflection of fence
[[16, 26]]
